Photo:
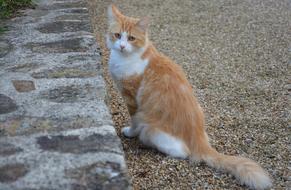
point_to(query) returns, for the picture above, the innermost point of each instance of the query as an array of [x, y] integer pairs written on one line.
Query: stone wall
[[55, 129]]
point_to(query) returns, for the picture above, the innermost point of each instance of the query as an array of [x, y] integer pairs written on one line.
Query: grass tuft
[[3, 29], [9, 7]]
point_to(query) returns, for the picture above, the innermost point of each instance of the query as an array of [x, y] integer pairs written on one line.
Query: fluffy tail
[[245, 170]]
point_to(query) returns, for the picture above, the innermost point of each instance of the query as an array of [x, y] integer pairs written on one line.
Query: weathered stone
[[23, 85], [61, 123], [7, 149], [86, 60], [51, 168], [62, 46], [100, 175], [71, 93], [7, 105], [78, 58], [72, 72], [29, 125], [5, 48], [64, 5], [38, 13], [2, 132], [35, 189], [77, 10], [65, 26], [23, 67], [75, 144], [78, 17], [11, 172]]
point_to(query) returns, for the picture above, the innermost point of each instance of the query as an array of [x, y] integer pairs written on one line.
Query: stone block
[[5, 48], [62, 46], [64, 5], [77, 17], [88, 158], [23, 85], [7, 149], [65, 26], [80, 10], [72, 93], [69, 72], [7, 104], [11, 172]]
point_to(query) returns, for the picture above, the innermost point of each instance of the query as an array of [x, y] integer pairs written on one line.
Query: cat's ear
[[113, 14], [143, 23]]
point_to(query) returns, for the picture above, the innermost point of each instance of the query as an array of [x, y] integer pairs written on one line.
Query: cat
[[164, 111]]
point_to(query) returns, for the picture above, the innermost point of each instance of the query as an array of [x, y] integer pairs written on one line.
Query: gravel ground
[[235, 54]]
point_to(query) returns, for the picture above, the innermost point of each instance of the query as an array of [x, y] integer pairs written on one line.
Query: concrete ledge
[[55, 129], [63, 160]]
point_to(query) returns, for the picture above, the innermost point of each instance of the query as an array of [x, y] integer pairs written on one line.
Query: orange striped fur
[[162, 104]]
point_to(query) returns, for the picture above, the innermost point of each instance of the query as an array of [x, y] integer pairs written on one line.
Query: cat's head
[[126, 34]]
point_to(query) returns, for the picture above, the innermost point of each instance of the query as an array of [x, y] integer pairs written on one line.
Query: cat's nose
[[122, 46]]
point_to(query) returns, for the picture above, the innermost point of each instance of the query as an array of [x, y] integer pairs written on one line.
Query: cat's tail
[[245, 170]]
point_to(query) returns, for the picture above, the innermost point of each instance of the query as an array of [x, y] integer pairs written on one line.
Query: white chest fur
[[122, 66]]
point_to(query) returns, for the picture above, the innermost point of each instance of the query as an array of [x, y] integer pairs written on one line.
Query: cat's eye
[[131, 38], [117, 35]]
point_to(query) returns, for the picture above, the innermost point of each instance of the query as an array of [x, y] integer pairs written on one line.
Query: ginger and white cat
[[165, 113]]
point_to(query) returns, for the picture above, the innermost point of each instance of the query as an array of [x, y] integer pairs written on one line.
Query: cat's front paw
[[127, 132]]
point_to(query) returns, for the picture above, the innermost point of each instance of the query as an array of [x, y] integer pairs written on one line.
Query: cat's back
[[163, 68]]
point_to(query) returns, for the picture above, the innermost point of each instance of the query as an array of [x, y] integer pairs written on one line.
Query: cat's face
[[126, 34]]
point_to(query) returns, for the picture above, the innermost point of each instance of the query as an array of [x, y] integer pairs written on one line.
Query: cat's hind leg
[[164, 142]]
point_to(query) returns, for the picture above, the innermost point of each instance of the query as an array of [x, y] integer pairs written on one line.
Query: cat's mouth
[[123, 51]]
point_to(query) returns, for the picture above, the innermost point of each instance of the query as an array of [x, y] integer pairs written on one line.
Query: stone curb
[[55, 129]]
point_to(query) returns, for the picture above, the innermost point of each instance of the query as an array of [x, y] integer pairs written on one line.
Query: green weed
[[9, 7]]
